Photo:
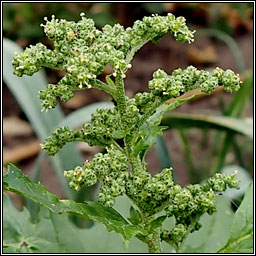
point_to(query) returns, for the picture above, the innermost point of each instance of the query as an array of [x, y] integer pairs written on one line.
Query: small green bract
[[128, 129]]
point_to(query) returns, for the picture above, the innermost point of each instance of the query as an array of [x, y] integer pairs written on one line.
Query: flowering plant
[[127, 130]]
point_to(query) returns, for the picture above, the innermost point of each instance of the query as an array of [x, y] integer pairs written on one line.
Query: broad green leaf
[[214, 231], [101, 241], [54, 233], [241, 234], [25, 90], [15, 181], [243, 126], [162, 153]]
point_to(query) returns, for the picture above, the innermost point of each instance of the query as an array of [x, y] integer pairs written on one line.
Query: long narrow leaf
[[242, 126]]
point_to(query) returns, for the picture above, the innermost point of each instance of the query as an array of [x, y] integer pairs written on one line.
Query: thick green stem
[[154, 243], [120, 97], [135, 162]]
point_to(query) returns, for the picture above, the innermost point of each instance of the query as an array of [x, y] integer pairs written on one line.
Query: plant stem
[[120, 97], [154, 244]]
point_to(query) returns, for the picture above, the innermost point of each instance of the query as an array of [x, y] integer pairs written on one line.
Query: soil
[[167, 55]]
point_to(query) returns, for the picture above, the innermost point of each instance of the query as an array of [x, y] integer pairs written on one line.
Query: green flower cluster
[[180, 81], [188, 204], [103, 129], [82, 51], [110, 168], [33, 59], [59, 138], [144, 101]]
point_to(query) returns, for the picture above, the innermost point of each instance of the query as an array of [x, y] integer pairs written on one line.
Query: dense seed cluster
[[59, 138], [110, 168], [82, 51], [181, 81]]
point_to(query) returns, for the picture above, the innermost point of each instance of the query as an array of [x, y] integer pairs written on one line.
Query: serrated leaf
[[241, 234], [14, 180], [147, 138], [51, 233]]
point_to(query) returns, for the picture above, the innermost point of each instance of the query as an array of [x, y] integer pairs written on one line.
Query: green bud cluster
[[103, 129], [59, 138], [110, 168], [33, 59], [82, 51], [188, 204], [144, 101], [149, 192], [181, 81], [175, 236], [132, 114]]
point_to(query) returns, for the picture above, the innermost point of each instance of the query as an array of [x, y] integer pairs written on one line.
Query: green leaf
[[243, 126], [54, 233], [241, 234], [135, 216], [157, 222], [214, 231], [25, 90], [147, 138], [110, 242], [14, 180], [109, 81]]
